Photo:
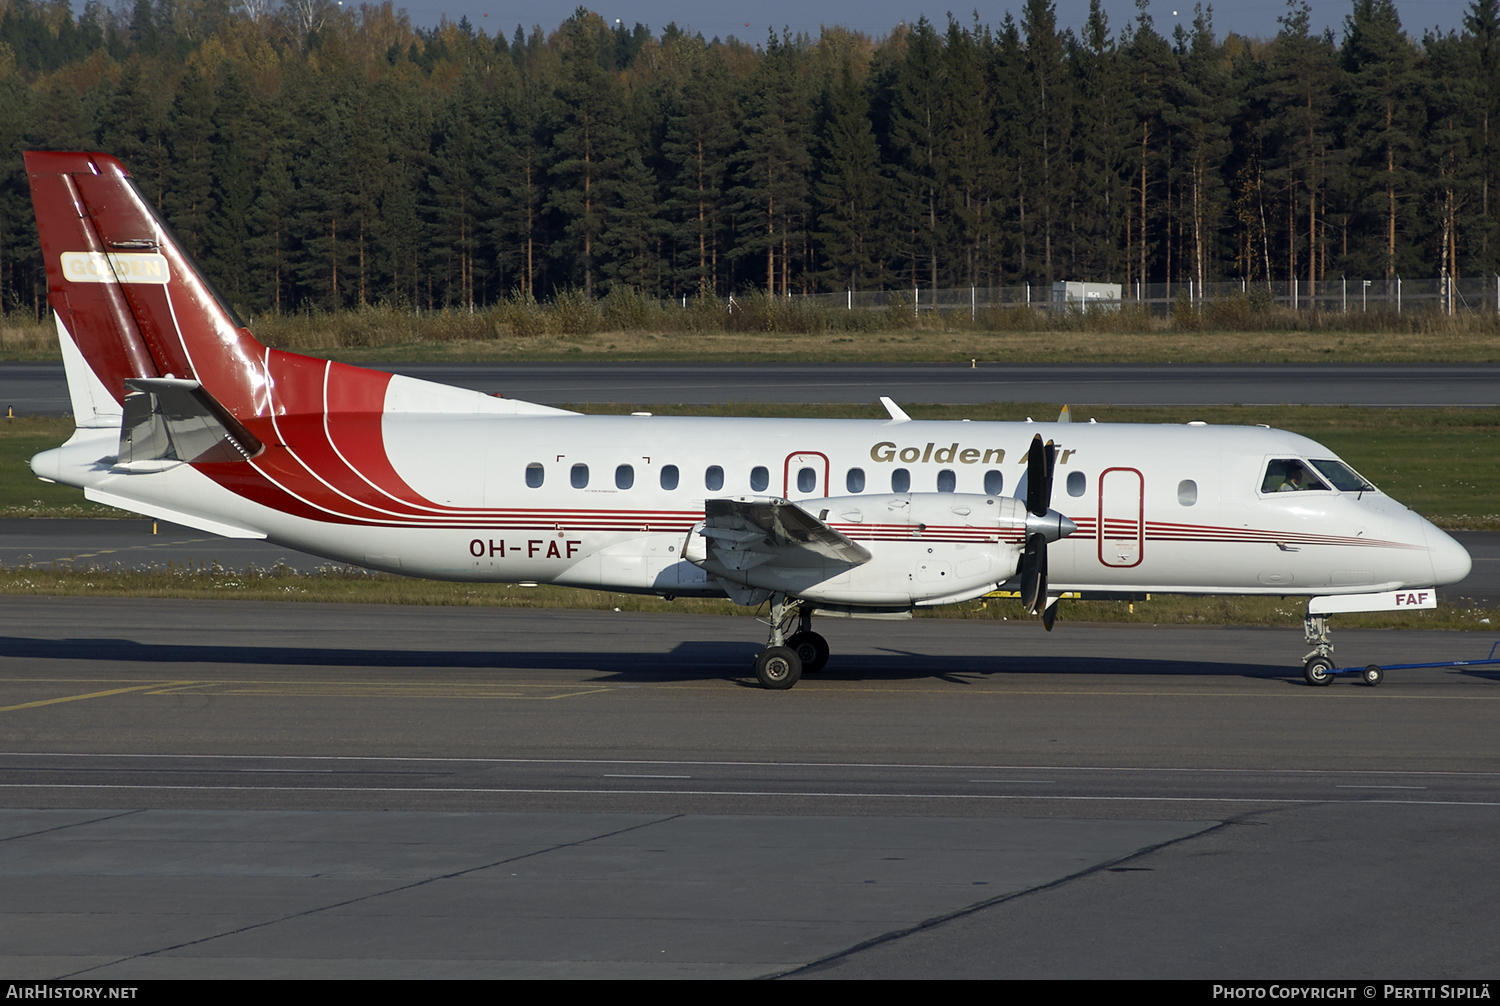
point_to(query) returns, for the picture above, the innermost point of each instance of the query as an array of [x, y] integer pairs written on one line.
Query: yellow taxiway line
[[92, 695]]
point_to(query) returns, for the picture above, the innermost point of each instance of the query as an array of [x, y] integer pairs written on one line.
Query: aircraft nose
[[1450, 560]]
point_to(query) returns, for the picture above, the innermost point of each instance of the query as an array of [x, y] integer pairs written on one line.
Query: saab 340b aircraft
[[182, 415]]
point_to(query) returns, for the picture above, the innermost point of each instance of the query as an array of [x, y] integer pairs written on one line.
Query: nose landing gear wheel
[[1373, 675], [811, 649], [778, 667], [1315, 671]]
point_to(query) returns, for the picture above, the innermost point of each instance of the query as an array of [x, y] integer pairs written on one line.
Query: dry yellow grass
[[578, 329], [961, 346]]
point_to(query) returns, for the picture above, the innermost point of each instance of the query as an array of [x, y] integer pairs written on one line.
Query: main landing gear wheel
[[1373, 675], [778, 667], [1316, 671], [811, 649]]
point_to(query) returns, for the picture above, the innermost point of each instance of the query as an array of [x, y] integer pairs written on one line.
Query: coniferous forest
[[314, 156]]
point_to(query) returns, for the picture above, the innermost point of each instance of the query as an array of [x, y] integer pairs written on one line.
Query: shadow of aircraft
[[690, 660]]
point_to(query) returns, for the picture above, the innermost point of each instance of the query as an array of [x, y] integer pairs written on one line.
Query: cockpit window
[[1290, 475], [1344, 478]]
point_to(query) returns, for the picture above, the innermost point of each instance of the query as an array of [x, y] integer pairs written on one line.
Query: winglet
[[897, 415]]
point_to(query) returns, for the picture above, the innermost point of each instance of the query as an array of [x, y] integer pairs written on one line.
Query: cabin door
[[1122, 517], [805, 473]]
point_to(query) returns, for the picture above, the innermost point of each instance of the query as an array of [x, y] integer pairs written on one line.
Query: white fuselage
[[1161, 508]]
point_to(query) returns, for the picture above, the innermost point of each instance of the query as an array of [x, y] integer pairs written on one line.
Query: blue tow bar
[[1374, 674]]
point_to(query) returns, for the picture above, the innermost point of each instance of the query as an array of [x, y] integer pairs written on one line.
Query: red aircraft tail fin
[[133, 301]]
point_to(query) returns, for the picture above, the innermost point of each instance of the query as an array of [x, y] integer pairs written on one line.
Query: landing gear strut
[[786, 657], [811, 647], [1317, 664]]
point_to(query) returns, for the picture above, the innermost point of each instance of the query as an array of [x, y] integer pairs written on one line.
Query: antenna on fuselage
[[897, 414]]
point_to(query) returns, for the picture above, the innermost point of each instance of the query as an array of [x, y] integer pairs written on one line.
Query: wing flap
[[778, 529]]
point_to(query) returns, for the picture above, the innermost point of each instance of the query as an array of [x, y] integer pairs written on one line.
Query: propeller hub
[[1050, 525]]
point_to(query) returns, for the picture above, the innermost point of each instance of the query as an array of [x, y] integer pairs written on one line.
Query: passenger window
[[994, 482], [900, 481], [713, 479], [854, 482], [535, 473], [1077, 483], [807, 480], [1187, 492], [759, 479], [580, 476], [947, 481], [669, 477], [1288, 476], [624, 476]]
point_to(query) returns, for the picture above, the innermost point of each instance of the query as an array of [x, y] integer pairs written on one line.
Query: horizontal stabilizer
[[187, 518], [174, 419]]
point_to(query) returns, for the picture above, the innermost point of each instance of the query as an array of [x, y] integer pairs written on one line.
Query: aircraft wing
[[746, 531]]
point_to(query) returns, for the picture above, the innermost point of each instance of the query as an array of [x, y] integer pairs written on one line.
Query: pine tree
[[590, 146], [516, 188], [631, 242], [917, 129], [1151, 70], [967, 159], [1482, 25], [1450, 96], [1047, 127], [772, 194], [1200, 118], [699, 141], [131, 129], [850, 189], [454, 180], [189, 190], [1097, 217], [1015, 206], [1298, 142], [22, 279], [1382, 131], [270, 247], [239, 150]]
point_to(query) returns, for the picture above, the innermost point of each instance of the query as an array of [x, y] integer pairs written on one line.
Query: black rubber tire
[[1372, 675], [1315, 671], [812, 650], [778, 667]]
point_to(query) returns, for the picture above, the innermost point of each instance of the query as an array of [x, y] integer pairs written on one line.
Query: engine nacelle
[[924, 548]]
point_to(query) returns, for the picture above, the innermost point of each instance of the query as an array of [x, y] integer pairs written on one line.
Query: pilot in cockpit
[[1290, 476]]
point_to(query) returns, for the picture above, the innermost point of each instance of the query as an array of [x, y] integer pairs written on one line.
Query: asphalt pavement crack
[[377, 894], [1000, 899]]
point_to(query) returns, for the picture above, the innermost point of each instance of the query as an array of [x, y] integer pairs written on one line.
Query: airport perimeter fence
[[1446, 295]]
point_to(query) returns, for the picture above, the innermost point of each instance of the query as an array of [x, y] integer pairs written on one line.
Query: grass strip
[[771, 329]]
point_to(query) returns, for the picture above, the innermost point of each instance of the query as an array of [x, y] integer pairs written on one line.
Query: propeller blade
[[1034, 573], [1042, 526], [1040, 462]]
